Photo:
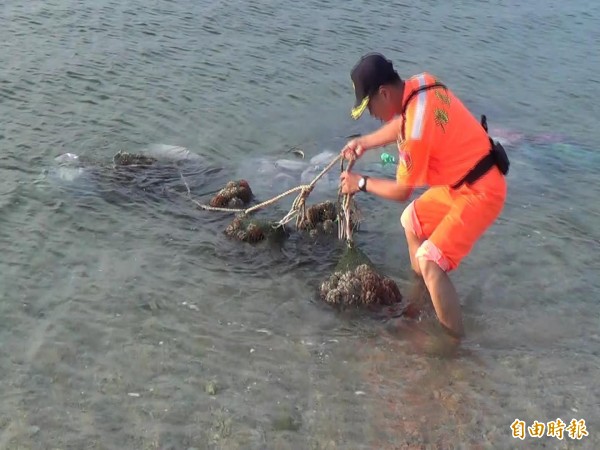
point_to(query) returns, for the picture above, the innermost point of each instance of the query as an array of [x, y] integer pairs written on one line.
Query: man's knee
[[410, 222], [428, 253]]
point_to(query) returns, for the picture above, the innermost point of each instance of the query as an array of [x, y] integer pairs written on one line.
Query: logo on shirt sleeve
[[404, 164]]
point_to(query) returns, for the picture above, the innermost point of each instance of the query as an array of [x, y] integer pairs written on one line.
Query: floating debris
[[299, 153], [211, 388]]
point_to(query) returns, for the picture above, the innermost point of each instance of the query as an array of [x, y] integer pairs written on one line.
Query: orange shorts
[[451, 221]]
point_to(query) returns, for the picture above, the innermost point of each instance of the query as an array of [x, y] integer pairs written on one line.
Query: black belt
[[496, 157]]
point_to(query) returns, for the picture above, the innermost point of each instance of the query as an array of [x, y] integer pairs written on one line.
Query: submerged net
[[252, 230], [319, 218], [355, 281]]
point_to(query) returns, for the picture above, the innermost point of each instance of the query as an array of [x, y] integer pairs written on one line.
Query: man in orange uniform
[[443, 146]]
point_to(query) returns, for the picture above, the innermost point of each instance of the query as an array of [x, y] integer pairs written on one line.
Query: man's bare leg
[[413, 245], [444, 297], [418, 298]]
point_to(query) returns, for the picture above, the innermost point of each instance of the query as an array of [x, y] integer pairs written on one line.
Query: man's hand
[[354, 149], [349, 182]]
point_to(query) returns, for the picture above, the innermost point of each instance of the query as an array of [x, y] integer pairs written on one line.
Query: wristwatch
[[362, 183]]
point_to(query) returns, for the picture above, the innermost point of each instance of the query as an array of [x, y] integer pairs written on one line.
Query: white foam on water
[[68, 174], [67, 158], [68, 169]]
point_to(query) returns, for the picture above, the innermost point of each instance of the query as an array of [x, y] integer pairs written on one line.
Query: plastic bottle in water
[[386, 159]]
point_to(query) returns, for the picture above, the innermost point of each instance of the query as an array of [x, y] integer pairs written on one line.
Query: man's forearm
[[388, 189], [385, 135]]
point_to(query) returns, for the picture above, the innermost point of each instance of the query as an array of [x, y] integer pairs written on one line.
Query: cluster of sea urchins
[[131, 159], [320, 217], [247, 230], [234, 195], [362, 286]]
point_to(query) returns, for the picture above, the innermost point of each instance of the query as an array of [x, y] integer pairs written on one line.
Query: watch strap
[[363, 181]]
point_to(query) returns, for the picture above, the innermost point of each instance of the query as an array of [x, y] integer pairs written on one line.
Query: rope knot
[[306, 190]]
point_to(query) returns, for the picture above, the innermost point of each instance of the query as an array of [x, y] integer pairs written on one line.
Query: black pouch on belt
[[496, 157], [500, 157], [497, 150]]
